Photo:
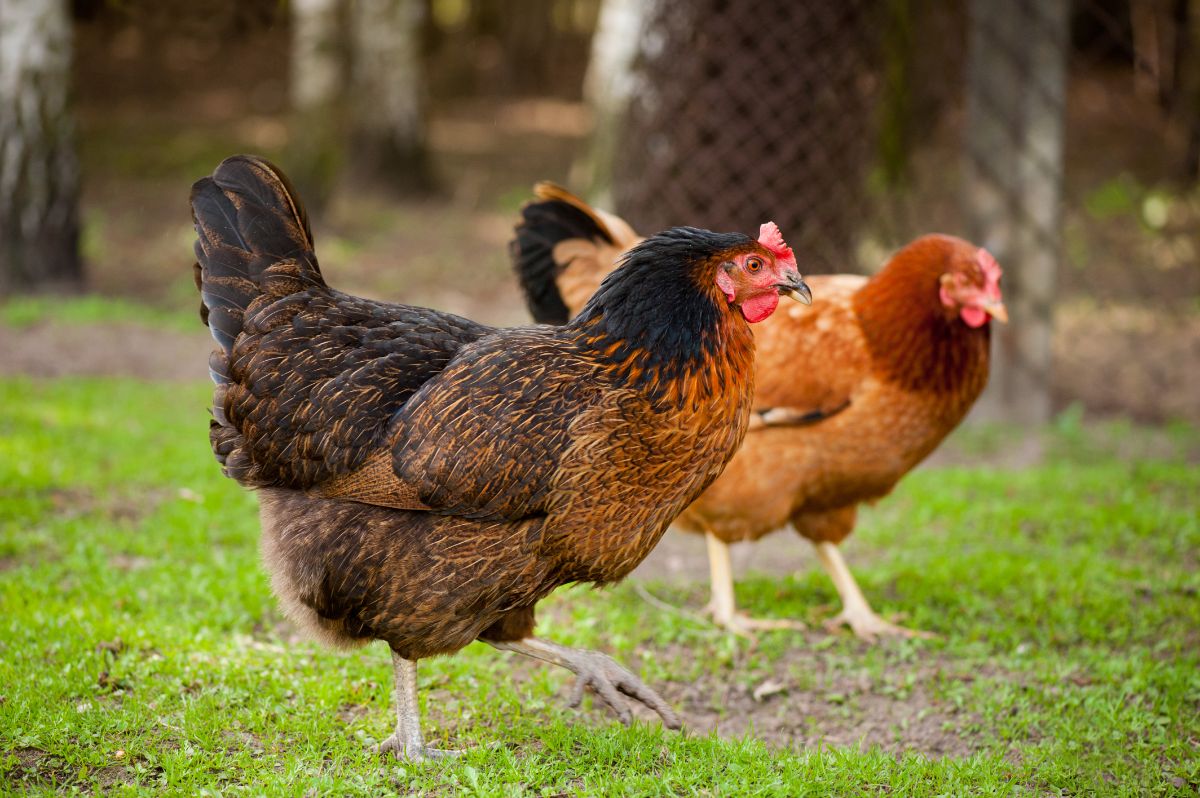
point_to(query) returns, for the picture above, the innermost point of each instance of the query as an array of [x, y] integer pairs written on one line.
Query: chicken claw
[[606, 677], [599, 672], [397, 747], [869, 627], [856, 612], [743, 625]]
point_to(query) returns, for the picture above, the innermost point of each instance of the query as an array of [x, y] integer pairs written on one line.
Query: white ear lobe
[[725, 283]]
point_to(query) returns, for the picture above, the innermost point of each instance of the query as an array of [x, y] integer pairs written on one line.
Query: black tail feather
[[248, 221], [556, 215]]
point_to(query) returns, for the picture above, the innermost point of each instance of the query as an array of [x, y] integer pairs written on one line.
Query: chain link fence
[[1065, 136], [870, 120]]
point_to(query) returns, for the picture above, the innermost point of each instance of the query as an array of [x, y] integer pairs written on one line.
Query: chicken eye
[[753, 265]]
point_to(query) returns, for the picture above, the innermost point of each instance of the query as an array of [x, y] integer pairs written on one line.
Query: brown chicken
[[852, 392], [424, 479]]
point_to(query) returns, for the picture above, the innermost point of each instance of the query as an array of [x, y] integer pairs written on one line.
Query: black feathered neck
[[659, 315]]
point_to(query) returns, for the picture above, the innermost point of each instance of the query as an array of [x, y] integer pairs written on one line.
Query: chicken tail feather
[[253, 242], [556, 215]]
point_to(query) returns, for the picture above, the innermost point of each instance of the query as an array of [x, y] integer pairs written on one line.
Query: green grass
[[26, 311], [141, 651]]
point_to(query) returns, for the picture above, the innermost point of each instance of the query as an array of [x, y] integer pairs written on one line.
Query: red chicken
[[426, 480], [852, 392]]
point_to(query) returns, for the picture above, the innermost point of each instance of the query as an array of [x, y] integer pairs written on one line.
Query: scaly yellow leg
[[856, 612], [722, 606]]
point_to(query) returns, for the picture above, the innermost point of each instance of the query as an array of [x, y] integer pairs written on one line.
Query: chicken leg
[[406, 742], [722, 606], [597, 671], [856, 612]]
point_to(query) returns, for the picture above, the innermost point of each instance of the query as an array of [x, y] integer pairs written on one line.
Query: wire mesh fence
[[1062, 135], [861, 123]]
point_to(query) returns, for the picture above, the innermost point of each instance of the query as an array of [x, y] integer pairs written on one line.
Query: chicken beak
[[797, 289], [997, 311]]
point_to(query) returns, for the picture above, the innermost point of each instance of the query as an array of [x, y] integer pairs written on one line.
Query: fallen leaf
[[767, 689]]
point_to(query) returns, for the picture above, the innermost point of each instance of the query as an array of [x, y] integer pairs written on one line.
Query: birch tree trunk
[[608, 85], [1016, 87], [388, 146], [318, 83], [39, 173]]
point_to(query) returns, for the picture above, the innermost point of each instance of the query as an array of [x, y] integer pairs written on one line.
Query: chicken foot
[[406, 742], [599, 672], [722, 607], [856, 612]]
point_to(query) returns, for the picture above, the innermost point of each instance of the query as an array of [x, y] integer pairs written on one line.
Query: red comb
[[770, 237]]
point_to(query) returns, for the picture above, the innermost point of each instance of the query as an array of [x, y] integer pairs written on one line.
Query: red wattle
[[974, 317], [759, 306]]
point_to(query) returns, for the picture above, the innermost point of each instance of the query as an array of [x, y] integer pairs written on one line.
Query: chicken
[[425, 480], [853, 391]]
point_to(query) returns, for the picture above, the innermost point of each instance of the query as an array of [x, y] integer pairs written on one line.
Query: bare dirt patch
[[111, 776], [38, 768], [842, 710], [350, 714], [50, 350], [129, 562], [801, 701], [34, 766], [71, 502], [237, 740], [32, 758], [898, 714]]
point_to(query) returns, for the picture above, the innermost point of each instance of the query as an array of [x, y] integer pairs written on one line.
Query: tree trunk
[[896, 105], [607, 88], [39, 173], [388, 147], [526, 34], [1187, 101], [1015, 110], [318, 83]]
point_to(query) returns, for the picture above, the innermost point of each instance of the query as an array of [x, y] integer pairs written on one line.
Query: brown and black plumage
[[425, 480]]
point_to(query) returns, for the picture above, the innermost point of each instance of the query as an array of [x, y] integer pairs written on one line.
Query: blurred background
[[1062, 134]]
